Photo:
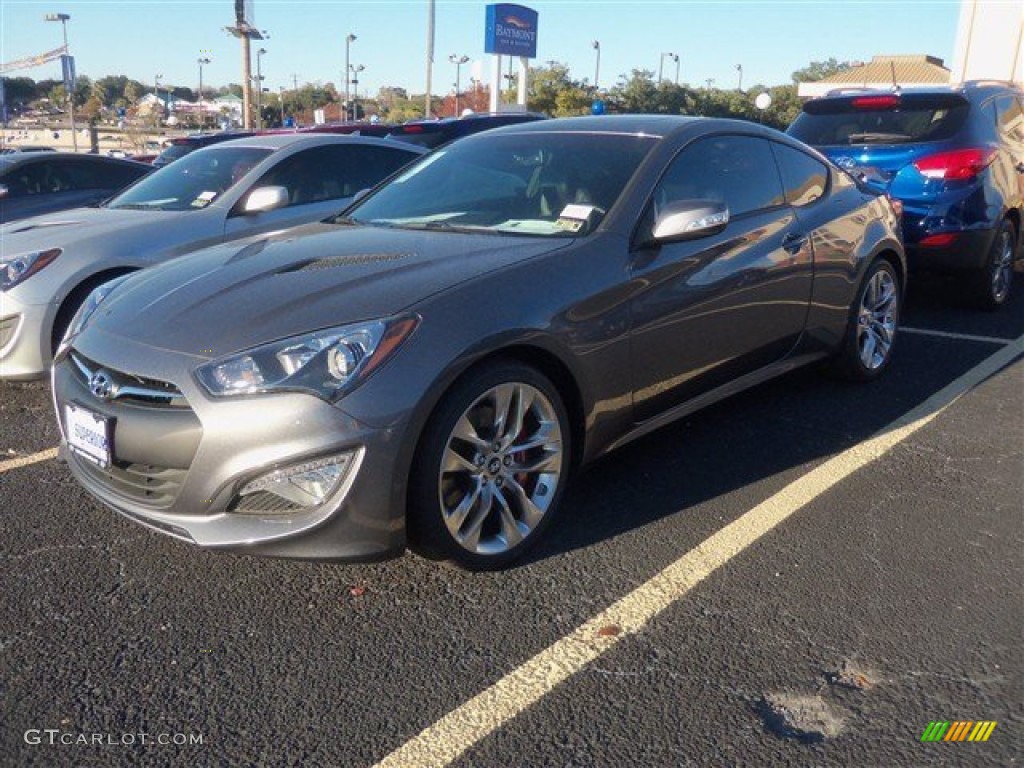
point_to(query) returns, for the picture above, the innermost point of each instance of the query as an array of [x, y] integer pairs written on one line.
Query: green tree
[[553, 92], [819, 70]]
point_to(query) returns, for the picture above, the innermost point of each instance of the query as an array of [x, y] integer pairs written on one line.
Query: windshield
[[193, 182], [546, 184]]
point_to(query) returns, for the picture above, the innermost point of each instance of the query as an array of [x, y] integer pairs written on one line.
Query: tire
[[990, 286], [490, 469], [871, 331]]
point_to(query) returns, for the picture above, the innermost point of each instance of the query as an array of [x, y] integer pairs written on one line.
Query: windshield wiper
[[134, 207]]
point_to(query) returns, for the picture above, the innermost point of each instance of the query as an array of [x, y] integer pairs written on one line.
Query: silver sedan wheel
[[1002, 268], [876, 320], [500, 469]]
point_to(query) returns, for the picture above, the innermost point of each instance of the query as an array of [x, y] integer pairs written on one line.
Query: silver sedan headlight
[[17, 269], [325, 363]]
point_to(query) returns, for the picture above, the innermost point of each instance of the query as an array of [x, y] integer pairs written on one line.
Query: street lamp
[[661, 62], [280, 89], [739, 68], [356, 69], [677, 69], [156, 92], [69, 84], [597, 64], [259, 88], [348, 41], [458, 61], [201, 61]]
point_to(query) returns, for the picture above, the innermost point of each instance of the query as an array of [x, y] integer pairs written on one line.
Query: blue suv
[[954, 158]]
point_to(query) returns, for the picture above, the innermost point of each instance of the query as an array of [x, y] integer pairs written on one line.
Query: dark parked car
[[33, 183], [434, 133], [182, 145], [954, 157], [438, 360]]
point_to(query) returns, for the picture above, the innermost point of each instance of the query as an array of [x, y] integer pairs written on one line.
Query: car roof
[[18, 158], [646, 125], [282, 140]]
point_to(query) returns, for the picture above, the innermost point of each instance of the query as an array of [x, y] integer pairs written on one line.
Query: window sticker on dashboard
[[203, 199]]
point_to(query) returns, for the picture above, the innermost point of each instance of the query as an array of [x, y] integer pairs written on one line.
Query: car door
[[710, 310], [320, 182]]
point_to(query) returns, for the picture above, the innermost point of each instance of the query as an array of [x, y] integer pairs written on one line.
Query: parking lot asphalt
[[891, 599]]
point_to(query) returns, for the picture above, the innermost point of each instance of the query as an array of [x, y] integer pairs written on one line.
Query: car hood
[[229, 298], [78, 225]]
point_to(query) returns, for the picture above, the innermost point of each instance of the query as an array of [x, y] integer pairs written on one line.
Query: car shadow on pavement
[[764, 436]]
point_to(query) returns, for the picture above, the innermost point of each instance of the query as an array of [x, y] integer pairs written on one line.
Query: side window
[[81, 174], [804, 178], [333, 172], [1010, 117], [737, 170]]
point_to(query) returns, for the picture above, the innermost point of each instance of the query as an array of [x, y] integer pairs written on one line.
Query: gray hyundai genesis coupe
[[431, 367]]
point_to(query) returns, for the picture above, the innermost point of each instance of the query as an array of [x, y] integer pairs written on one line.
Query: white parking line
[[24, 461], [957, 336], [450, 737]]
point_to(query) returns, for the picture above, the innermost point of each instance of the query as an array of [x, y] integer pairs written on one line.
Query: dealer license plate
[[88, 434]]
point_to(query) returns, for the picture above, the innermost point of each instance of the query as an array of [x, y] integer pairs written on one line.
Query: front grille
[[8, 326], [127, 387], [140, 483]]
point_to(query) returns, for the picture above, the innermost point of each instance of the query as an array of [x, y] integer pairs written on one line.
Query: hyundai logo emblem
[[102, 385], [846, 162]]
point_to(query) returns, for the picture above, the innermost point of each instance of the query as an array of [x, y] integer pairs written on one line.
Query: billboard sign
[[511, 30]]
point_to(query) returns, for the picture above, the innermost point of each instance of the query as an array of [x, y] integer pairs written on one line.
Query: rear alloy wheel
[[491, 468], [872, 331], [992, 283]]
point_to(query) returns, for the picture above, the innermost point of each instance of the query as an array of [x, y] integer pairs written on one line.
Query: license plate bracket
[[89, 434]]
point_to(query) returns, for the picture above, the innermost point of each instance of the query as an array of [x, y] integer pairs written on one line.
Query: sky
[[770, 40]]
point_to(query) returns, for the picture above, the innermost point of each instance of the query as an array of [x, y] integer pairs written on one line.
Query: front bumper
[[178, 467], [24, 338]]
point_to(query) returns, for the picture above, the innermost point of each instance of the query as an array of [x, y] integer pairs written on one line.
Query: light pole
[[348, 42], [597, 64], [356, 69], [661, 63], [739, 68], [201, 61], [458, 61], [259, 88], [677, 69], [281, 90], [156, 92], [64, 18]]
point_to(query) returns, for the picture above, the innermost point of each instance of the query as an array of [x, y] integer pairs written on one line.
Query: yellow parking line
[[24, 461], [450, 737]]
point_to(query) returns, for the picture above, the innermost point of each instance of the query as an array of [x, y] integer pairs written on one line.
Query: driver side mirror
[[265, 199], [689, 220]]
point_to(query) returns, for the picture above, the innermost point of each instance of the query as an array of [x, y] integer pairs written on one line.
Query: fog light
[[308, 484]]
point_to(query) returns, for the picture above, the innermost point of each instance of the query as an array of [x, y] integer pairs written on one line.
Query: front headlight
[[326, 363], [17, 269]]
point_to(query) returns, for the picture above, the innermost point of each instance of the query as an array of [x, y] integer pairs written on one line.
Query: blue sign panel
[[511, 30]]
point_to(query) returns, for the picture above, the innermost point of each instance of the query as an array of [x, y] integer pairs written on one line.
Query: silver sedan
[[50, 264]]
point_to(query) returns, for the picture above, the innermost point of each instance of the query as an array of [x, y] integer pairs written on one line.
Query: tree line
[[552, 91]]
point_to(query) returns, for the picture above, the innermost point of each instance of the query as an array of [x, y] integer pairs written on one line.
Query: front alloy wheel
[[496, 453]]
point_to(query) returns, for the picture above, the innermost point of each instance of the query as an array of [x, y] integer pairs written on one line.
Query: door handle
[[794, 242]]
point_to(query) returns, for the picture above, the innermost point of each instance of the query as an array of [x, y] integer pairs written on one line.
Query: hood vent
[[354, 260]]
